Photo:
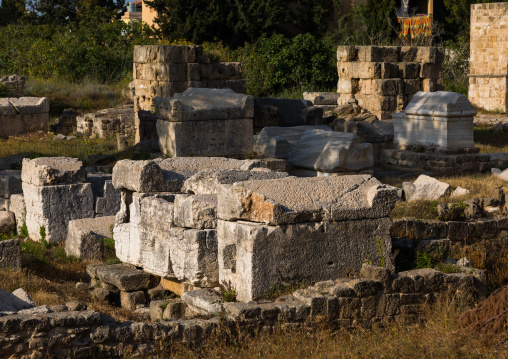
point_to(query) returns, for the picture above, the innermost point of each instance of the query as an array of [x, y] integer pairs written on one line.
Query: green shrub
[[23, 230], [228, 292], [423, 260]]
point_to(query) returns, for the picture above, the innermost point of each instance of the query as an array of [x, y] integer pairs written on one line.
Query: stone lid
[[440, 103], [297, 200], [201, 104], [50, 171]]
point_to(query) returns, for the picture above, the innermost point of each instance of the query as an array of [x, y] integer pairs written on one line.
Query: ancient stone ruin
[[166, 70], [436, 133], [384, 79], [488, 69], [14, 84], [22, 115], [107, 123], [205, 122]]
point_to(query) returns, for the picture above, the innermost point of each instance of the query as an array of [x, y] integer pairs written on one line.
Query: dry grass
[[39, 144], [490, 141], [86, 96], [50, 277], [479, 185], [438, 337]]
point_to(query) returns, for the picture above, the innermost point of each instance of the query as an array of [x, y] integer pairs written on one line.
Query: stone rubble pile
[[205, 220], [15, 84], [107, 123]]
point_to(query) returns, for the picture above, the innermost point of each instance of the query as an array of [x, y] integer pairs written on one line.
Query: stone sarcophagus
[[205, 122], [435, 119]]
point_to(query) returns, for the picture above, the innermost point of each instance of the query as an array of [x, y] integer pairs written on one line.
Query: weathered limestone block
[[438, 119], [205, 122], [7, 222], [10, 254], [10, 183], [195, 211], [203, 301], [17, 206], [130, 300], [52, 207], [141, 238], [294, 200], [49, 171], [11, 302], [138, 176], [194, 256], [85, 237], [321, 98], [216, 181], [22, 115], [330, 151], [107, 123], [280, 112], [425, 188], [278, 141], [123, 277], [255, 256], [107, 198]]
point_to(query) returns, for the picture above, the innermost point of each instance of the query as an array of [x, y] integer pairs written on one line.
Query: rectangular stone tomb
[[439, 119], [23, 115], [205, 122], [308, 229]]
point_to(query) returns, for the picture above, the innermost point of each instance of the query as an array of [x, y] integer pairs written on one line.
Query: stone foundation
[[441, 162], [107, 123]]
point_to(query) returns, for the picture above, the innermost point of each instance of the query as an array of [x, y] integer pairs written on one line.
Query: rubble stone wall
[[488, 73], [384, 79], [166, 70], [378, 297]]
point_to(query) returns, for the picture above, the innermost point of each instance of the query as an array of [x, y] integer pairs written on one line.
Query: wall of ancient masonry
[[378, 297], [166, 70], [488, 73], [384, 79]]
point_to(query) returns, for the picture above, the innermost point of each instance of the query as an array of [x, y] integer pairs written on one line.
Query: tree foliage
[[11, 11]]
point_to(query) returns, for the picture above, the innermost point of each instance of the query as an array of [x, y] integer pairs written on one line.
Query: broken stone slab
[[10, 254], [327, 151], [49, 171], [203, 104], [109, 203], [459, 191], [7, 222], [278, 141], [52, 207], [123, 277], [288, 112], [15, 301], [194, 256], [195, 211], [296, 200], [249, 254], [168, 175], [203, 301], [322, 98], [500, 174], [425, 188], [85, 237], [216, 181], [10, 183]]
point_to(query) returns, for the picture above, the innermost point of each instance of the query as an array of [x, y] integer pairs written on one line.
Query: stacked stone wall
[[488, 74], [384, 79], [378, 298], [166, 70]]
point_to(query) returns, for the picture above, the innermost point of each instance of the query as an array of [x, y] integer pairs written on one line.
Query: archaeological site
[[200, 211]]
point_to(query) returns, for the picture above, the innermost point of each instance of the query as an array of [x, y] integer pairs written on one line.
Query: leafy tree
[[312, 15], [11, 11], [457, 15], [379, 18], [232, 21]]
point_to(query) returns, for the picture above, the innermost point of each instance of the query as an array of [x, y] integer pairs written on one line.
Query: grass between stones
[[437, 337]]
